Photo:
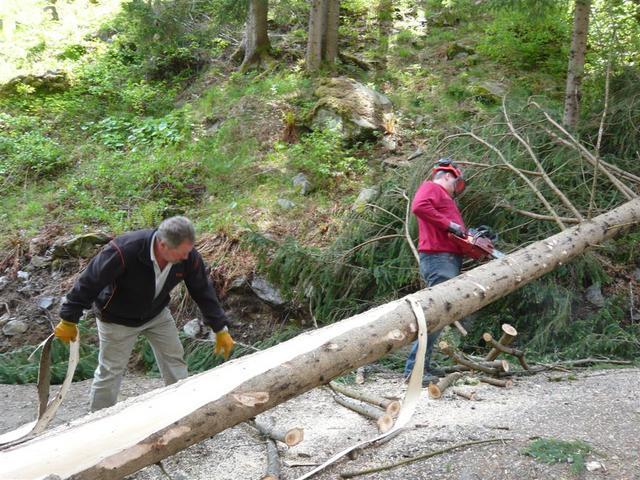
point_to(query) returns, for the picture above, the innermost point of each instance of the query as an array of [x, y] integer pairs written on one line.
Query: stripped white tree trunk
[[118, 441]]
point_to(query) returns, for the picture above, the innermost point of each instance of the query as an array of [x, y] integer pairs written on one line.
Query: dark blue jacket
[[120, 281]]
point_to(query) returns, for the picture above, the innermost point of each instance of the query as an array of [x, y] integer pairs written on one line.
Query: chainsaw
[[477, 243]]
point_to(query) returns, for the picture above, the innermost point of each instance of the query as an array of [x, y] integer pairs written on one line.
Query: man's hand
[[224, 344], [457, 230], [66, 331]]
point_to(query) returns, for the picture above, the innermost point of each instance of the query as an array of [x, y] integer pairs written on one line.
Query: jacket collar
[[145, 251]]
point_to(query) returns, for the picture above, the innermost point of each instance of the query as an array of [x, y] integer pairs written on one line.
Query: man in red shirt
[[440, 257]]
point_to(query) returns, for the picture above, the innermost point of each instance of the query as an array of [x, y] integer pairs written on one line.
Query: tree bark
[[317, 19], [290, 437], [383, 419], [273, 461], [508, 335], [138, 432], [256, 38], [435, 390], [330, 51], [575, 71], [392, 407]]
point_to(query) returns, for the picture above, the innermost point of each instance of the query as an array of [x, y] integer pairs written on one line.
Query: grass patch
[[550, 450]]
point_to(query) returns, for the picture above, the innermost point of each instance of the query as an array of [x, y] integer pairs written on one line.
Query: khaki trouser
[[116, 344]]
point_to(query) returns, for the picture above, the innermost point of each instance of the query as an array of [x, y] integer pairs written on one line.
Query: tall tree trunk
[[122, 439], [256, 38], [317, 22], [331, 37], [575, 71]]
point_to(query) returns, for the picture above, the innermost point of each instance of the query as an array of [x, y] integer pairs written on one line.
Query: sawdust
[[598, 407]]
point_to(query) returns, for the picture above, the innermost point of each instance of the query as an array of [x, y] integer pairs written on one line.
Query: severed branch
[[436, 390], [519, 354], [567, 203], [461, 393], [538, 216], [289, 437], [461, 360], [423, 456], [273, 461], [392, 407], [613, 168], [497, 382], [508, 335], [626, 191], [383, 419], [537, 192], [497, 364]]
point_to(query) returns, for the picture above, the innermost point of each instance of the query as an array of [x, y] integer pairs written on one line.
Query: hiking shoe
[[429, 378], [438, 372]]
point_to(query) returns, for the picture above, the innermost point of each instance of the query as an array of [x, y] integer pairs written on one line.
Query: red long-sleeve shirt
[[435, 208]]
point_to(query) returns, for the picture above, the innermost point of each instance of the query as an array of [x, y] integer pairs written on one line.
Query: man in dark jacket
[[129, 283], [440, 257]]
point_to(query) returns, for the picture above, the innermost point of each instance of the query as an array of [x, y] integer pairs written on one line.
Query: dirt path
[[601, 408]]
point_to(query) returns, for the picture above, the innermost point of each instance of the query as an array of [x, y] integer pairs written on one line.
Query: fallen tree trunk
[[115, 442]]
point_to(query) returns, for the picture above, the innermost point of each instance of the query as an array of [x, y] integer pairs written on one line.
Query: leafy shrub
[[322, 155], [26, 151], [525, 41], [72, 52], [120, 132]]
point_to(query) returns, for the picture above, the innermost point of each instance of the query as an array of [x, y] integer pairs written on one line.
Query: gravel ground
[[600, 407]]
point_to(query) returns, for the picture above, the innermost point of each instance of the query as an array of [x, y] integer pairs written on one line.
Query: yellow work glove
[[66, 331], [224, 344]]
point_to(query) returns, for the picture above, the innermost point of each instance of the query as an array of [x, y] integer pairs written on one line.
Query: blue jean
[[435, 268]]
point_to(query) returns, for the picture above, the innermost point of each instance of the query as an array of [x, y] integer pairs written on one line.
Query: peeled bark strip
[[497, 382], [383, 419], [436, 390], [289, 437], [273, 461], [392, 407], [126, 438], [508, 335]]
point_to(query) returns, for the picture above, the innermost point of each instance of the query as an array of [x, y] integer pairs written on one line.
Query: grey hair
[[440, 173], [176, 230]]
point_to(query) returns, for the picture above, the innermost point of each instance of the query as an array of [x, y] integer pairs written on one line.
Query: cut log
[[494, 364], [497, 382], [461, 360], [383, 419], [273, 461], [436, 390], [460, 328], [508, 335], [463, 394], [120, 440], [290, 437], [392, 407], [360, 376], [519, 354]]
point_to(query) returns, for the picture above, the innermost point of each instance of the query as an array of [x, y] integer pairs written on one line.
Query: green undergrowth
[[551, 450], [16, 367], [20, 366]]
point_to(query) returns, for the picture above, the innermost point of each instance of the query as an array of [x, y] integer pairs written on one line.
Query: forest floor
[[598, 407]]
